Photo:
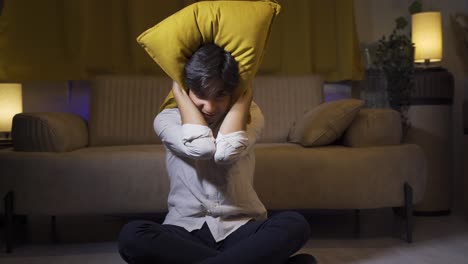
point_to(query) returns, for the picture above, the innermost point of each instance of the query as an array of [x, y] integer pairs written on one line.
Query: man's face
[[212, 109]]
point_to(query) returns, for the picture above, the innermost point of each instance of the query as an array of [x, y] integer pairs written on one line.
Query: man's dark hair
[[211, 72]]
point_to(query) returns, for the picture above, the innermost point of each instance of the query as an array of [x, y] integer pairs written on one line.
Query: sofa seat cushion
[[374, 127], [133, 179], [99, 180], [337, 177]]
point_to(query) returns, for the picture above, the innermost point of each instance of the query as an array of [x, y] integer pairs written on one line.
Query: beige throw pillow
[[325, 123]]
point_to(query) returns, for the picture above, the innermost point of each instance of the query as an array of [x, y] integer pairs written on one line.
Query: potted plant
[[394, 56]]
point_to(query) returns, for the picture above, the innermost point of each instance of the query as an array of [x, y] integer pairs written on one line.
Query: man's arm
[[236, 119], [236, 137], [188, 111], [184, 130]]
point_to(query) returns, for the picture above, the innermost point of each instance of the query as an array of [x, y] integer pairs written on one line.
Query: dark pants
[[270, 241]]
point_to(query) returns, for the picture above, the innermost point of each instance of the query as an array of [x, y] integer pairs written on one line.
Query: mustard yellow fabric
[[77, 40], [325, 123], [239, 27], [74, 40], [315, 36]]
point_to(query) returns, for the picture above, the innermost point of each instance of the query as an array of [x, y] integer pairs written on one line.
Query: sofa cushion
[[337, 177], [93, 180], [242, 28], [49, 132], [374, 127], [324, 124]]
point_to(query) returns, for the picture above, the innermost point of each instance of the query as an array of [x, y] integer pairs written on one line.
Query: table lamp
[[426, 34], [430, 113], [10, 105]]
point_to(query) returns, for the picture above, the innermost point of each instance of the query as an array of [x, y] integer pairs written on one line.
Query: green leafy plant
[[395, 57]]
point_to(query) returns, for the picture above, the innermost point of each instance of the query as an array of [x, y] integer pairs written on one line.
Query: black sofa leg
[[357, 223], [53, 227], [408, 212], [9, 228]]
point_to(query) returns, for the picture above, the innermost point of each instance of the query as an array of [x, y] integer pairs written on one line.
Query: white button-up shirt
[[211, 179]]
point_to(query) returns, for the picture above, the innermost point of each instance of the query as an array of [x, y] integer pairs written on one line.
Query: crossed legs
[[269, 241]]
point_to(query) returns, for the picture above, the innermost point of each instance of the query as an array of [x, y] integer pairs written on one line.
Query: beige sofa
[[115, 164]]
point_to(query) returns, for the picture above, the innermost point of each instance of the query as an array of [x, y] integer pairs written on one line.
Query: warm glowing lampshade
[[426, 34], [10, 104]]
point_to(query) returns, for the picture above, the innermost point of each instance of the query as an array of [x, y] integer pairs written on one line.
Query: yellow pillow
[[241, 28], [325, 123]]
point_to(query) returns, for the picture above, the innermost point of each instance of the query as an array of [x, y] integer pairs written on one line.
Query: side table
[[465, 158], [465, 174], [19, 223], [430, 116]]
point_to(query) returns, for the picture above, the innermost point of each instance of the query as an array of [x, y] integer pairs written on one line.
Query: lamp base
[[418, 68], [428, 65]]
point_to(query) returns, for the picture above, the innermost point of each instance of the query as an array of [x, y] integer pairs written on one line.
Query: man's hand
[[188, 111], [236, 118]]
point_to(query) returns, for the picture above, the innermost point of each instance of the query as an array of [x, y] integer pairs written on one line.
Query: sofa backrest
[[122, 108], [283, 99]]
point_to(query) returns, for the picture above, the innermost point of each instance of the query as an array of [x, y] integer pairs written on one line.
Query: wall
[[376, 18]]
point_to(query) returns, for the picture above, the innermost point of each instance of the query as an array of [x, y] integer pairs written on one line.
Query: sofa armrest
[[374, 127], [49, 132]]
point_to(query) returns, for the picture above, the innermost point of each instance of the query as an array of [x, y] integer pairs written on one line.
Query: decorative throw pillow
[[241, 28], [325, 123]]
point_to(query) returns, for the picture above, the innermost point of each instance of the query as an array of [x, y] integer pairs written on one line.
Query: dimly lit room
[[233, 131]]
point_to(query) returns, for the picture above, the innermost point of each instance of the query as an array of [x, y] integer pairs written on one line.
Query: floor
[[436, 240]]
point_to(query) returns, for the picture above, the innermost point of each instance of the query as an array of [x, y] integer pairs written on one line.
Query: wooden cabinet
[[430, 115]]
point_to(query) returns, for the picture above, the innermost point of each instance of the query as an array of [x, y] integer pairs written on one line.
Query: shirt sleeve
[[188, 140], [232, 146]]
